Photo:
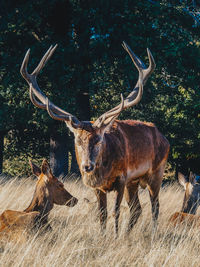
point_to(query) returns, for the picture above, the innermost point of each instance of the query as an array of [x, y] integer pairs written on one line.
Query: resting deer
[[113, 154], [191, 201], [48, 191]]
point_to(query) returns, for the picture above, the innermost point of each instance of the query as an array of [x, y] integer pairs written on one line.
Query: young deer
[[49, 191], [191, 201]]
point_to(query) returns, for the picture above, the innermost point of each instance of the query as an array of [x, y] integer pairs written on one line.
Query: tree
[[90, 69]]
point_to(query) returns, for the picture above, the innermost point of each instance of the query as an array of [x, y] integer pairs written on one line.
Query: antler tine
[[152, 65], [117, 112], [23, 69], [137, 62], [104, 119], [44, 60], [73, 120], [51, 114], [31, 78], [121, 107], [34, 101]]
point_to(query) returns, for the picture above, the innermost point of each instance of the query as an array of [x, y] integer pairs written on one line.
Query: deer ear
[[182, 180], [192, 178], [106, 128], [35, 169], [46, 168], [70, 127]]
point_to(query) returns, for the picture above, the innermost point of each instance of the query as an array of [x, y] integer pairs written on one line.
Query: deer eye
[[61, 185], [98, 141]]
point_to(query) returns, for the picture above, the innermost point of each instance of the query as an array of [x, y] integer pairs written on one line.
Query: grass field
[[76, 239]]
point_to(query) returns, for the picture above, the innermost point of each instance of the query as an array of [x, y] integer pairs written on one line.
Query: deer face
[[50, 188], [59, 194], [89, 149], [191, 200]]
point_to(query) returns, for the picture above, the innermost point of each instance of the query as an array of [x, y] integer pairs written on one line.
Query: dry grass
[[76, 239]]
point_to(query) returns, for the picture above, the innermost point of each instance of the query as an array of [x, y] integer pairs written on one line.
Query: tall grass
[[76, 239]]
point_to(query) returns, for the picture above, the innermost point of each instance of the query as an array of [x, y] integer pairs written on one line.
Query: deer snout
[[88, 167]]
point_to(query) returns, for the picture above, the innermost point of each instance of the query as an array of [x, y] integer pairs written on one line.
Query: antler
[[34, 90], [59, 114], [135, 96]]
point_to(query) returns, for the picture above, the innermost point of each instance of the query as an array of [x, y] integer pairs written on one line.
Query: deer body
[[123, 144], [112, 154], [181, 217], [48, 191], [11, 219], [134, 153]]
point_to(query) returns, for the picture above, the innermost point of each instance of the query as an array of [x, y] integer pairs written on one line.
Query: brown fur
[[14, 223], [130, 153], [48, 191], [181, 218]]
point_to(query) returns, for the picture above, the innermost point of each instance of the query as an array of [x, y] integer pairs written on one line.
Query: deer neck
[[41, 202]]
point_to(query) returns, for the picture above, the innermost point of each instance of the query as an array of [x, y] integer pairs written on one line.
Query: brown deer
[[179, 218], [113, 154], [191, 201], [48, 191]]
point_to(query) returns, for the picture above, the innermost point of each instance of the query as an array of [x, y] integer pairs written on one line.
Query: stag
[[113, 154], [48, 191], [191, 201]]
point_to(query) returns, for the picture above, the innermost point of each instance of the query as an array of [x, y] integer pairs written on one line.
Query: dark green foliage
[[90, 69]]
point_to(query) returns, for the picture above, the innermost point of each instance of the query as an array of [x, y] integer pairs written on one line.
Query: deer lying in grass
[[49, 191], [191, 201]]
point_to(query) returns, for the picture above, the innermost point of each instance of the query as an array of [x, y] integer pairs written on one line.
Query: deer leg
[[154, 188], [119, 187], [155, 206], [102, 206], [131, 195]]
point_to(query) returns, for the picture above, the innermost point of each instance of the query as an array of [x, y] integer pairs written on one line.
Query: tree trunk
[[84, 110], [186, 165], [74, 164], [83, 103], [59, 150], [1, 151]]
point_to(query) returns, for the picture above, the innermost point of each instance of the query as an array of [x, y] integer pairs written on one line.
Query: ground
[[76, 239]]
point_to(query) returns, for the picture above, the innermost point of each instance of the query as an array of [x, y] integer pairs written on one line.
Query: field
[[76, 239]]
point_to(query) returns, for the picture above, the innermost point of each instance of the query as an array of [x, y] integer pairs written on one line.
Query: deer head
[[49, 188], [89, 137], [191, 185]]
